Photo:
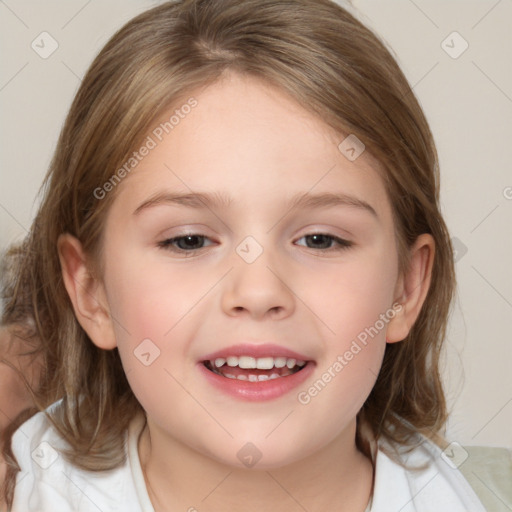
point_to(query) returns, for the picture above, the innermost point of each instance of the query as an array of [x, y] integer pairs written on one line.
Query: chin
[[261, 454]]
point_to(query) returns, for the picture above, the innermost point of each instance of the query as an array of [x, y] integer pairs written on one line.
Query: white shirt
[[48, 483]]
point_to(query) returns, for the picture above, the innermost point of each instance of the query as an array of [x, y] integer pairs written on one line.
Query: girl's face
[[245, 237]]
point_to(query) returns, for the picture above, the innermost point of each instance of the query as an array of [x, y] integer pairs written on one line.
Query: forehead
[[251, 141]]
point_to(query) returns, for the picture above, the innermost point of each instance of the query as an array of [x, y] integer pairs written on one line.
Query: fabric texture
[[489, 471], [48, 483]]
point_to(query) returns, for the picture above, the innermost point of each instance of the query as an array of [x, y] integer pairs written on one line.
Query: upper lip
[[256, 351]]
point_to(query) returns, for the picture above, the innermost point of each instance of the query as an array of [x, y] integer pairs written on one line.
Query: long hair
[[326, 60]]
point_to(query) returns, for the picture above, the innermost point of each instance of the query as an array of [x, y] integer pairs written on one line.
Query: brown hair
[[331, 64]]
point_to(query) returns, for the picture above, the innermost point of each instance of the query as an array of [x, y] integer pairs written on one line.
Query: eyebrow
[[202, 200]]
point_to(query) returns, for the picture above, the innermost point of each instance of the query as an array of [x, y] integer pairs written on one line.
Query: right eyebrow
[[192, 200]]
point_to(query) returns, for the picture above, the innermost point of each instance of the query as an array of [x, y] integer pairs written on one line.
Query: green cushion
[[489, 471]]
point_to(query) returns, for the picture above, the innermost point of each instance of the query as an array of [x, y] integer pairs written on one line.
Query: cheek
[[355, 302], [147, 304], [149, 299], [354, 296], [356, 307], [148, 311]]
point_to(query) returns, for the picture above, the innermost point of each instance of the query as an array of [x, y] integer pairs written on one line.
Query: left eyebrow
[[307, 201], [201, 200]]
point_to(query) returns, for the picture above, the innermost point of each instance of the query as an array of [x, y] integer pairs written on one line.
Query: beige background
[[468, 101]]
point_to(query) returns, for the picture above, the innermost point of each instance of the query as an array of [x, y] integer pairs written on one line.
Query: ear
[[86, 292], [412, 288]]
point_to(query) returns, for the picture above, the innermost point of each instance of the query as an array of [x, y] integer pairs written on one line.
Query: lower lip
[[257, 391]]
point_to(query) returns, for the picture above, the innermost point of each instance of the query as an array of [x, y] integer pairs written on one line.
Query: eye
[[184, 243], [325, 242], [193, 242]]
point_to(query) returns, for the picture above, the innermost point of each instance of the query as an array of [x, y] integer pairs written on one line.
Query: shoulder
[[48, 482], [423, 478]]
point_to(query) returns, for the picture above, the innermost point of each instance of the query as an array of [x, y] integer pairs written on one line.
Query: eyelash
[[168, 244]]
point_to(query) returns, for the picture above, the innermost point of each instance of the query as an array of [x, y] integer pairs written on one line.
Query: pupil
[[190, 241], [321, 238]]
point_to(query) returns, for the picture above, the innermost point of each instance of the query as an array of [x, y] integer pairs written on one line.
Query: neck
[[336, 477]]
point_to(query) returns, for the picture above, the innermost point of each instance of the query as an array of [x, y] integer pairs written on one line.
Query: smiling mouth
[[254, 369]]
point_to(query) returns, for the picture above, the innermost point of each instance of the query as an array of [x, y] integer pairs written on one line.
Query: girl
[[241, 278]]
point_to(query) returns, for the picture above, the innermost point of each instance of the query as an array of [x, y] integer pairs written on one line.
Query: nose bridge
[[255, 286]]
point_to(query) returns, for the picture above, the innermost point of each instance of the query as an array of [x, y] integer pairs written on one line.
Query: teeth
[[261, 363], [246, 362], [280, 362], [253, 378], [265, 363], [232, 361]]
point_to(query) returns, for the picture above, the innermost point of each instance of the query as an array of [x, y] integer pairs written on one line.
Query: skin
[[14, 395], [248, 140]]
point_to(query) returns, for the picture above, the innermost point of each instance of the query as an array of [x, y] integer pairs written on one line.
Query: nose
[[257, 290]]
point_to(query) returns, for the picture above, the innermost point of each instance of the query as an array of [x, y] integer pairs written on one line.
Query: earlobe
[[412, 288], [86, 293]]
